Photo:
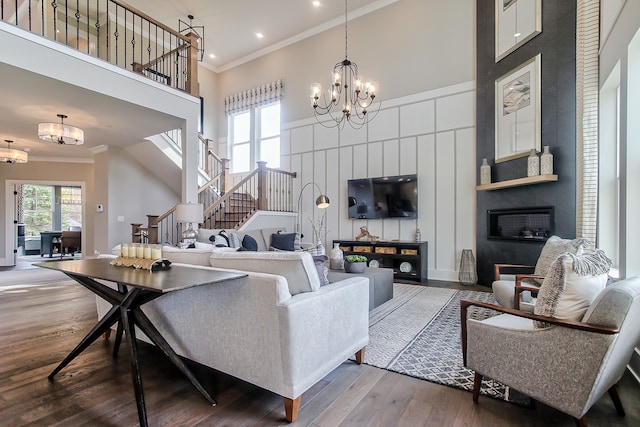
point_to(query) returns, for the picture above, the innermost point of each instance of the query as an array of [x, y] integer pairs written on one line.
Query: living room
[[425, 78]]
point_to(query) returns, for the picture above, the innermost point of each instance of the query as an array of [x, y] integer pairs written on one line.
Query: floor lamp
[[322, 202]]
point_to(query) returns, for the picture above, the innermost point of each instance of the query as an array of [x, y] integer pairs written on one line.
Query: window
[[38, 209], [254, 135], [51, 208]]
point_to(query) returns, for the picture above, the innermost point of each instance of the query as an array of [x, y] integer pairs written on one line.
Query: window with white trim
[[254, 135]]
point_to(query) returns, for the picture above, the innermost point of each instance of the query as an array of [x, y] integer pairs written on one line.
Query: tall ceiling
[[230, 28]]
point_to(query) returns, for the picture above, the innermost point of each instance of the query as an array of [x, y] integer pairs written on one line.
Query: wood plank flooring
[[39, 325]]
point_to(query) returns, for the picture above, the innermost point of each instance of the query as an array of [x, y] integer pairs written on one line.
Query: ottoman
[[380, 283]]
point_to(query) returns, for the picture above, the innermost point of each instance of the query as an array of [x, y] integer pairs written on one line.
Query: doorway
[[37, 209]]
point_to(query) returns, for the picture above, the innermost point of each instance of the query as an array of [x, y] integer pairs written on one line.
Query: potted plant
[[355, 263]]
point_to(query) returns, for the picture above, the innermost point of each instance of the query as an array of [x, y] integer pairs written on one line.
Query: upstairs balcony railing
[[115, 32]]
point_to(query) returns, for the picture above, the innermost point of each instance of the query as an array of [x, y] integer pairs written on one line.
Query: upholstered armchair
[[514, 284], [568, 363]]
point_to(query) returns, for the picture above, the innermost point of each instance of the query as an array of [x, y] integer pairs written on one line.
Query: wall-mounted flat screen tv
[[383, 197]]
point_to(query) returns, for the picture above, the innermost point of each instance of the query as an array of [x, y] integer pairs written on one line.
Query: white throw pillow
[[571, 285]]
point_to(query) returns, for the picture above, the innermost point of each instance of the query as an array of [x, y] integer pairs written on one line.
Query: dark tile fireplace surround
[[523, 224], [557, 46]]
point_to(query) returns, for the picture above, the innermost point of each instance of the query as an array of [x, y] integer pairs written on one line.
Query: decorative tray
[[142, 264]]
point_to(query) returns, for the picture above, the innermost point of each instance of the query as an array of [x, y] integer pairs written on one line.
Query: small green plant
[[355, 258]]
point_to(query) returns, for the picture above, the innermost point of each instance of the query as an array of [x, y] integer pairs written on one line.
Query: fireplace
[[522, 224]]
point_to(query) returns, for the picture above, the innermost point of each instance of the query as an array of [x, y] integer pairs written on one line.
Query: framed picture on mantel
[[517, 111], [517, 22]]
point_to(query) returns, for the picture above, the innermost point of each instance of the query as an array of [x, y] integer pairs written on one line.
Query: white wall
[[409, 47], [431, 134]]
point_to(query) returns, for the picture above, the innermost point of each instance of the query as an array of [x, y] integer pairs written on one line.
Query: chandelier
[[9, 155], [351, 94], [61, 133], [185, 28]]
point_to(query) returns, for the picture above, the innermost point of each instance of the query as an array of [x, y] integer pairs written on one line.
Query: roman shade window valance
[[260, 95]]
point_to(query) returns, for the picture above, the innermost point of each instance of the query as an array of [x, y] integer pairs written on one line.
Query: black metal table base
[[126, 312]]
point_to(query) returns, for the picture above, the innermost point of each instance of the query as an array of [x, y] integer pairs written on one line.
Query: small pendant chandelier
[[351, 95], [9, 155], [61, 133]]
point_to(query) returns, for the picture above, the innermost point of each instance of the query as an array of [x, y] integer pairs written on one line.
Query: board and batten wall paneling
[[431, 134]]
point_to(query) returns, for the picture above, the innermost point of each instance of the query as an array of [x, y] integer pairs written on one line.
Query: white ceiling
[[230, 27]]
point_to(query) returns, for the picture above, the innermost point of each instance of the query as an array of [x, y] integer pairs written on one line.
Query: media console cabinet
[[407, 259]]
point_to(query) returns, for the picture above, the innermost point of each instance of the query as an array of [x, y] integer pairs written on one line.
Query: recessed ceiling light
[[517, 35], [260, 35], [211, 55], [316, 3]]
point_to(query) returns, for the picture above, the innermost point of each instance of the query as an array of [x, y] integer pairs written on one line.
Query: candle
[[156, 252], [139, 251], [124, 250], [147, 252]]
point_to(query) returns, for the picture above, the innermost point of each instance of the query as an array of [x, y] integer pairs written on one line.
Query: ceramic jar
[[546, 162], [485, 173], [533, 164]]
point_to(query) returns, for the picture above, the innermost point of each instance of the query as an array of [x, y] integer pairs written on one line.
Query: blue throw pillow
[[249, 243], [283, 241]]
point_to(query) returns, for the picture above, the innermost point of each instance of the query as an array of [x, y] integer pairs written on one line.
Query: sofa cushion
[[571, 285], [297, 267], [187, 256]]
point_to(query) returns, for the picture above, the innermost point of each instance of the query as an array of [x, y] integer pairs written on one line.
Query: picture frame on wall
[[517, 22], [517, 111]]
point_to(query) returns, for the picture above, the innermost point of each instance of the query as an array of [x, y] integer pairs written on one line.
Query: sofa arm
[[322, 329]]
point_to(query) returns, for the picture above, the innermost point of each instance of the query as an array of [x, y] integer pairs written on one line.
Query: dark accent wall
[[557, 46]]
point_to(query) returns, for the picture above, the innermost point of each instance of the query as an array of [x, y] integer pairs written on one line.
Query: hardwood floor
[[40, 324]]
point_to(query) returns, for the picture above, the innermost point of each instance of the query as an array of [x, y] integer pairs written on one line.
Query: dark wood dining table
[[135, 287]]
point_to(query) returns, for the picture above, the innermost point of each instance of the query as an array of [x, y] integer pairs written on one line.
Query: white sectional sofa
[[276, 328]]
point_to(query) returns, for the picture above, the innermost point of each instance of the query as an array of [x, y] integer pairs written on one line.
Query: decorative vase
[[418, 235], [354, 267], [336, 259], [546, 162], [485, 173], [533, 164], [467, 274]]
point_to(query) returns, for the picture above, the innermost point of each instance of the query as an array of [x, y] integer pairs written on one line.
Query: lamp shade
[[189, 212], [9, 155], [61, 133], [322, 201]]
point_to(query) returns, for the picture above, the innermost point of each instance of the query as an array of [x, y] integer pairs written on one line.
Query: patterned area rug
[[417, 333]]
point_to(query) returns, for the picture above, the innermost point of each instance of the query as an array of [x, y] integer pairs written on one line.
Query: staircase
[[264, 189]]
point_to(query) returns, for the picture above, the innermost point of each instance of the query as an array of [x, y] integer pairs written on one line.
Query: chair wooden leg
[[360, 356], [477, 382], [613, 392], [291, 408], [582, 421]]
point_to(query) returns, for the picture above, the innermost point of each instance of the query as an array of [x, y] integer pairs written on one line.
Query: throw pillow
[[249, 243], [315, 250], [234, 240], [283, 241], [553, 248], [571, 285], [321, 266]]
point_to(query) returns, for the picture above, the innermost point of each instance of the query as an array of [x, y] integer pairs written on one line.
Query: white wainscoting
[[431, 134]]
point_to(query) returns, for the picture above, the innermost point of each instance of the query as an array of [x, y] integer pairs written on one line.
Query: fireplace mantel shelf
[[538, 179]]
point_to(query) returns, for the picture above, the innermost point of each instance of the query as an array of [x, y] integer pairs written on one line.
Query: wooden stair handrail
[[230, 193], [209, 183], [150, 19]]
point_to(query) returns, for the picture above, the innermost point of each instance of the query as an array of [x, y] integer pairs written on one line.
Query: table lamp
[[189, 213]]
